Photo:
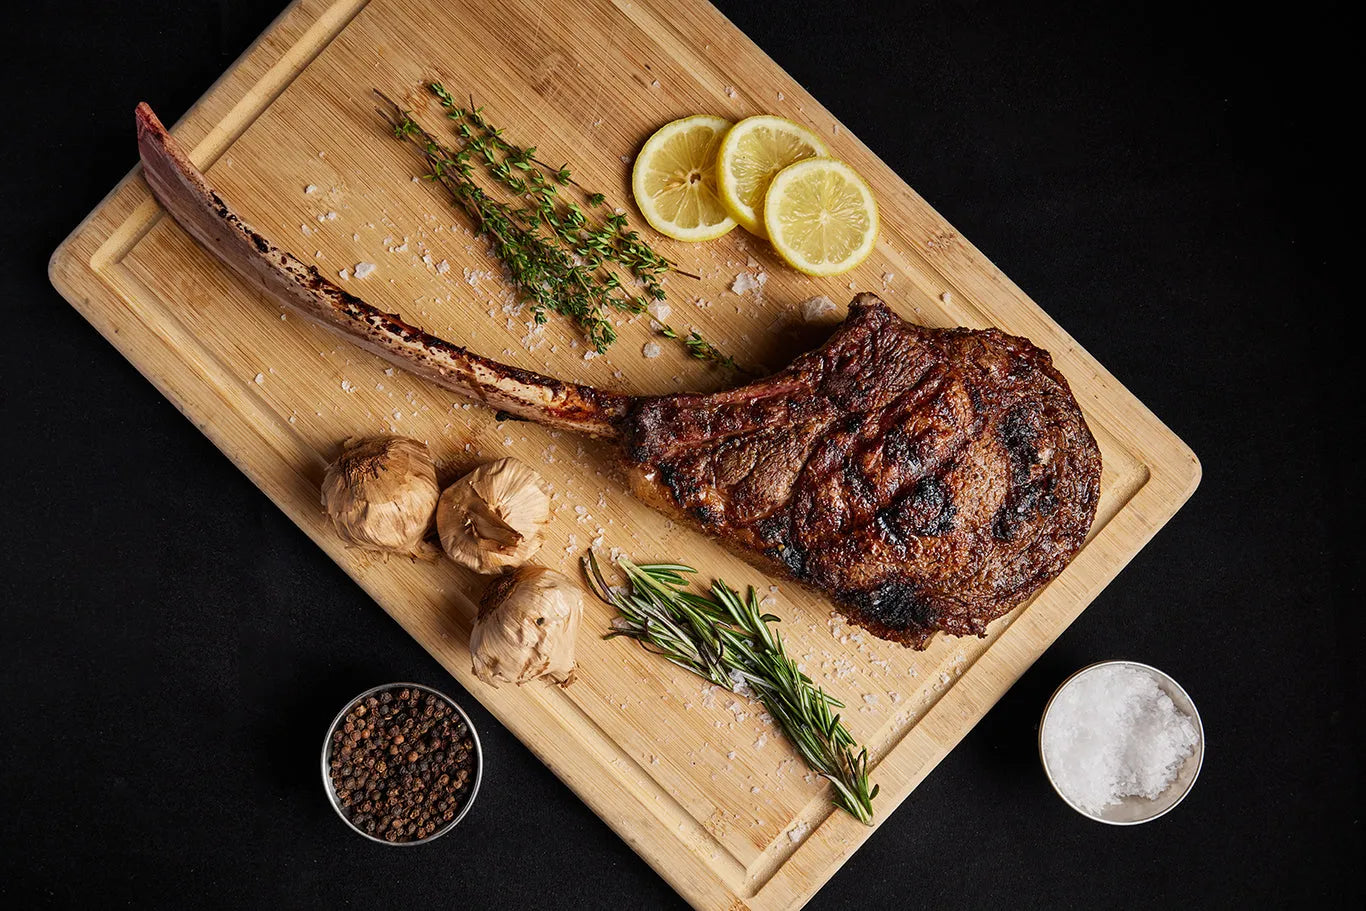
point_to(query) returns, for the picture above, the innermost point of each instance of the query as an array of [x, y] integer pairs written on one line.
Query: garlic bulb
[[528, 620], [492, 517], [381, 493]]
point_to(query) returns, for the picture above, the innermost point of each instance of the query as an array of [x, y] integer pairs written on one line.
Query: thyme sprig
[[728, 641], [542, 269], [702, 349], [561, 257]]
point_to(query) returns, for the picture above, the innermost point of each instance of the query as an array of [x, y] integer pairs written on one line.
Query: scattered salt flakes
[[754, 790], [331, 216], [747, 281], [398, 415], [443, 267], [427, 258], [817, 308], [837, 129], [946, 297], [401, 248], [660, 310], [650, 350], [761, 742], [598, 122], [364, 269], [347, 386], [260, 378], [589, 355], [306, 230], [731, 755], [887, 277], [344, 275], [870, 698], [292, 419], [654, 760], [782, 97], [654, 83], [798, 832], [355, 237], [626, 158], [388, 371], [310, 189], [768, 601], [730, 90], [579, 510], [283, 317]]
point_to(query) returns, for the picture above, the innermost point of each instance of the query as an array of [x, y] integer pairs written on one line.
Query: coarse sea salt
[[1113, 733], [817, 308]]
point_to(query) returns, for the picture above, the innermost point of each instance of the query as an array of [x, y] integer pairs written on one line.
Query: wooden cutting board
[[693, 778]]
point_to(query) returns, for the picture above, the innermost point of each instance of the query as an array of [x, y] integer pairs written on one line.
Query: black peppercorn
[[394, 781]]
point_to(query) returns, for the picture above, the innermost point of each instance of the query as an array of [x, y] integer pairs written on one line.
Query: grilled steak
[[925, 479]]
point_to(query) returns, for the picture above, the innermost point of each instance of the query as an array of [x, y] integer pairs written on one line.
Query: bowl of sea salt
[[1121, 742]]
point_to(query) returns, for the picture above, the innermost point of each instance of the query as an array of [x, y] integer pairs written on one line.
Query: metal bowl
[[1131, 811], [332, 791]]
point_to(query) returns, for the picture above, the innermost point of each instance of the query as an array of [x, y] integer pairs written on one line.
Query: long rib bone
[[182, 189]]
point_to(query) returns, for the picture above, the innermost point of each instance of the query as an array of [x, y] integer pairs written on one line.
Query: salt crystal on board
[[364, 269], [817, 308]]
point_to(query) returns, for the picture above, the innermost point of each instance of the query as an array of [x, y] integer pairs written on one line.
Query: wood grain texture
[[692, 778]]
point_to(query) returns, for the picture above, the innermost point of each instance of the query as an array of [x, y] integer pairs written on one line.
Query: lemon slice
[[674, 179], [821, 216], [753, 151]]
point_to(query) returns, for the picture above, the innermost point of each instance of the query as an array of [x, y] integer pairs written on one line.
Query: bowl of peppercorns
[[401, 764]]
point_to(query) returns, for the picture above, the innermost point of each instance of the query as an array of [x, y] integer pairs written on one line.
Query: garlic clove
[[492, 518], [381, 493], [527, 625]]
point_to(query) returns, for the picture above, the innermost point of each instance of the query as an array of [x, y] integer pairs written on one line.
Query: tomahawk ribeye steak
[[925, 479]]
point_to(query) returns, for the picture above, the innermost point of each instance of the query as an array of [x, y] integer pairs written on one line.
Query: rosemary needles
[[728, 641]]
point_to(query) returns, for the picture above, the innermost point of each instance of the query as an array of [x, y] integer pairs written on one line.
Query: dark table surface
[[1164, 180]]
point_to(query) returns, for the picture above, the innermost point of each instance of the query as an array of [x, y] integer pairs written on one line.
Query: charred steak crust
[[927, 479]]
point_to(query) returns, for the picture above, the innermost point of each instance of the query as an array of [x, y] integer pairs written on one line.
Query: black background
[[1167, 181]]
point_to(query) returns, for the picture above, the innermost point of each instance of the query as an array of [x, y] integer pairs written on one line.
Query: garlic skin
[[528, 621], [492, 518], [381, 493]]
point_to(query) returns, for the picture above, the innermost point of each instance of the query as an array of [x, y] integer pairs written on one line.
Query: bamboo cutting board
[[693, 778]]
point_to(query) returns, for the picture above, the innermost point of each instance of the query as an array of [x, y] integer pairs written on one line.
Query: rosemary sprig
[[725, 639]]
